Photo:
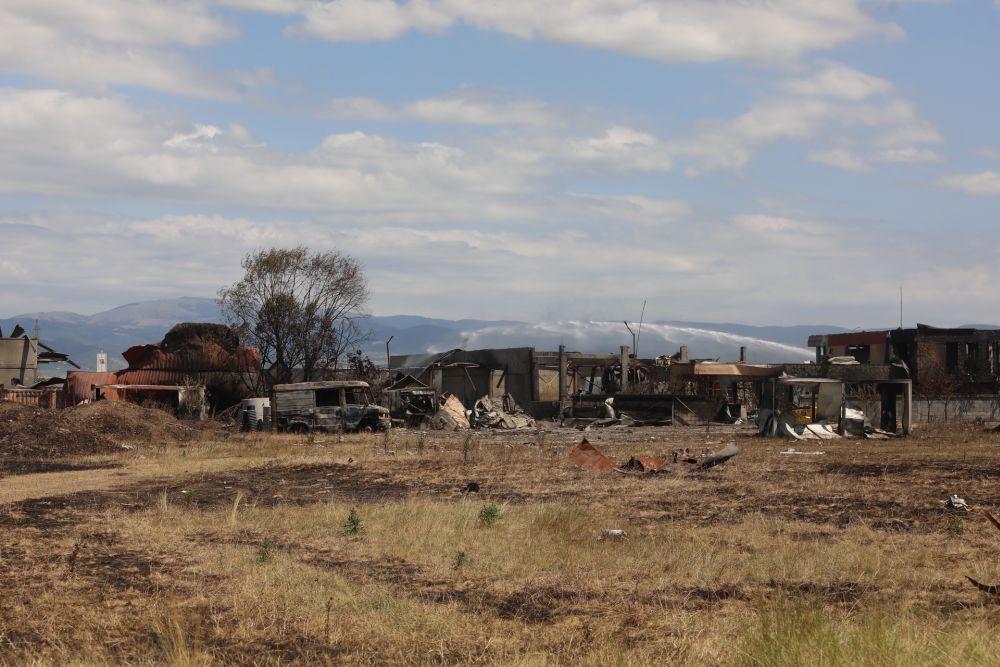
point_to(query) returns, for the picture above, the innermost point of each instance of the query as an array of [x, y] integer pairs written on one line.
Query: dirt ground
[[236, 549]]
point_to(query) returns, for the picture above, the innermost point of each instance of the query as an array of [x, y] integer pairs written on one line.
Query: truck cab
[[327, 407]]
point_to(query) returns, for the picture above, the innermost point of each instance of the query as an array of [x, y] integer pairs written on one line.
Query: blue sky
[[736, 160]]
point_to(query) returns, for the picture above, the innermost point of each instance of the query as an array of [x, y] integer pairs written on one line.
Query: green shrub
[[265, 554], [353, 524], [490, 515]]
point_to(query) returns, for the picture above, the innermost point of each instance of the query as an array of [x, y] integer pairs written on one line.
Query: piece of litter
[[958, 504], [613, 534]]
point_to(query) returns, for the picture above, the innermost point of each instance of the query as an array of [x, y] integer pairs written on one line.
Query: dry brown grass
[[232, 550]]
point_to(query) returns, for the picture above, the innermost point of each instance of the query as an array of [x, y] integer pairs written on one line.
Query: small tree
[[937, 383], [301, 309], [363, 368]]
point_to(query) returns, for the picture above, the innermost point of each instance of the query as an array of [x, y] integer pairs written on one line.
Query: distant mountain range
[[113, 331]]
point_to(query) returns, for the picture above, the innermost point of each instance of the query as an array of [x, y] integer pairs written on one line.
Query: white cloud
[[983, 184], [840, 158], [54, 143], [907, 155], [686, 270], [987, 152], [620, 148], [265, 6], [464, 107], [668, 30], [364, 20], [839, 82], [636, 209], [774, 225], [131, 22], [118, 42], [850, 161], [808, 109]]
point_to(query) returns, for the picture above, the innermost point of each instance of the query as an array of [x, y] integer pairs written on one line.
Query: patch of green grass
[[490, 515], [265, 553]]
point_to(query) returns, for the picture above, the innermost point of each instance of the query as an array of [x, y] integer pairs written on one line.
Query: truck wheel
[[299, 429]]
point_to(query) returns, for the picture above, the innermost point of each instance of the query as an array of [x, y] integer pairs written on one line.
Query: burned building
[[20, 356], [190, 355], [472, 374], [965, 359], [548, 384]]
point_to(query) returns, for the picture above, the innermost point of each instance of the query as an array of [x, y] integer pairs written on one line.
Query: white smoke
[[654, 340]]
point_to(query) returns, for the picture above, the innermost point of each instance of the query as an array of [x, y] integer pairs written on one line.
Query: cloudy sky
[[779, 161]]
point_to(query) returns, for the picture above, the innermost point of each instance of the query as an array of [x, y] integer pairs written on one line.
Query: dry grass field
[[237, 549]]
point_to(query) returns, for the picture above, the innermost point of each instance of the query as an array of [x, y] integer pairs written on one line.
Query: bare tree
[[301, 309], [935, 382]]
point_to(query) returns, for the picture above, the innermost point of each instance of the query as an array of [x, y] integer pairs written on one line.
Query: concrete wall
[[959, 408], [18, 361]]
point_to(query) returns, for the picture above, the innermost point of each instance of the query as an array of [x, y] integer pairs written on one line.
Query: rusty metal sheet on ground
[[644, 464], [589, 457]]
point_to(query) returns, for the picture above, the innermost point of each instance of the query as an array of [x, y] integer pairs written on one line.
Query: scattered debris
[[644, 464], [879, 434], [817, 431], [589, 457], [992, 589], [721, 456], [612, 534], [499, 413], [957, 504], [791, 451], [451, 415], [471, 487]]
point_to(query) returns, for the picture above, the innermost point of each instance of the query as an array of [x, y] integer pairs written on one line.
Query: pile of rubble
[[96, 428], [500, 413]]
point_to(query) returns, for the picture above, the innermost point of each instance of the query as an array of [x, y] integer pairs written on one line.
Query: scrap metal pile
[[590, 458], [500, 413]]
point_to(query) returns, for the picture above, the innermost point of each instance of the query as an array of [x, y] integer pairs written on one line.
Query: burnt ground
[[67, 545]]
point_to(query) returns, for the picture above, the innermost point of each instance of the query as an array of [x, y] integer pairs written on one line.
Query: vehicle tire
[[298, 429]]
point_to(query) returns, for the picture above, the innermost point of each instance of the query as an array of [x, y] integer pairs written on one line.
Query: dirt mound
[[84, 429]]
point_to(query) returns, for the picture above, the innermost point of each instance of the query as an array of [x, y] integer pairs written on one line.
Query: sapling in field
[[353, 525]]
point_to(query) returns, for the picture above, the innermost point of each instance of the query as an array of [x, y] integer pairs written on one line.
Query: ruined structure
[[970, 356], [20, 355], [190, 355]]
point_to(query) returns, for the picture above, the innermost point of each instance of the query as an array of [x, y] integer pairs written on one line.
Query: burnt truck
[[327, 407]]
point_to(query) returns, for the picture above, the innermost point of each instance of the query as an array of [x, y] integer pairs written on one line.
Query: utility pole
[[635, 338], [388, 359]]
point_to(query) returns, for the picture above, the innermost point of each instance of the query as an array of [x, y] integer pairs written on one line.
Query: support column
[[562, 381], [624, 361], [907, 408]]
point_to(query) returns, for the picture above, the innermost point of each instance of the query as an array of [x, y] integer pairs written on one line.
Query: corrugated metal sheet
[[78, 386], [197, 358]]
